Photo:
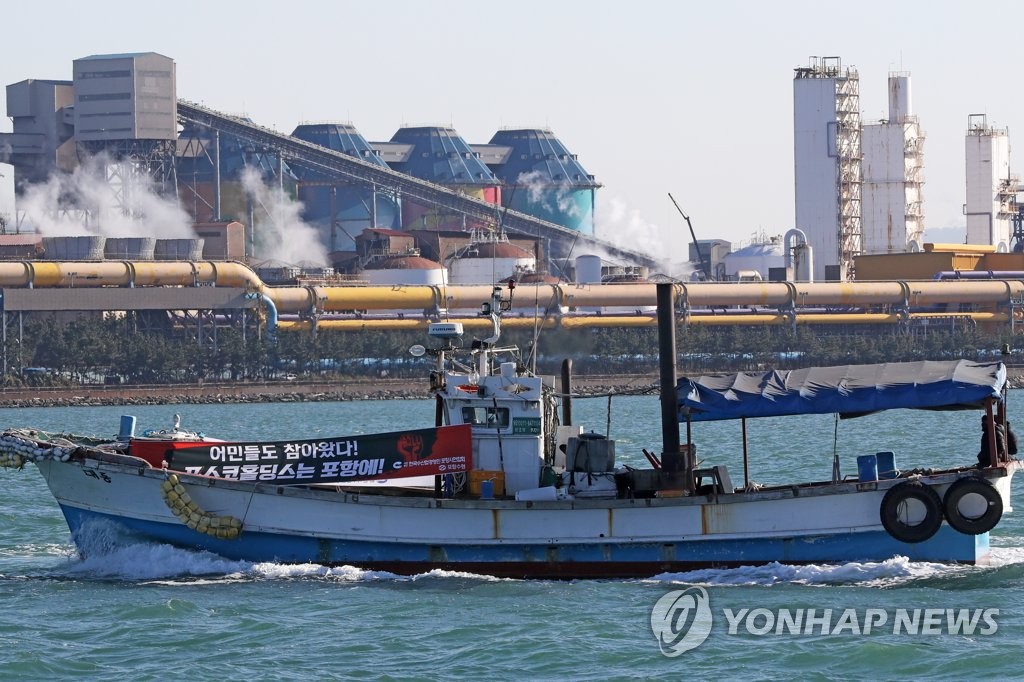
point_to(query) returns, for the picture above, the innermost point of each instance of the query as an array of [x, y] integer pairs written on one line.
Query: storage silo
[[349, 206], [440, 155], [178, 249], [129, 248], [543, 179], [73, 248]]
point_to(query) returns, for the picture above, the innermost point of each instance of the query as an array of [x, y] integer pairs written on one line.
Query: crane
[[705, 265]]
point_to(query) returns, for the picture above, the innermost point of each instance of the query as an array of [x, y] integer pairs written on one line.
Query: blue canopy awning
[[849, 390]]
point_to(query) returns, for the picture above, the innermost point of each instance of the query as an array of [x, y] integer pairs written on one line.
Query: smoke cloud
[[618, 223], [281, 234], [102, 197], [551, 195]]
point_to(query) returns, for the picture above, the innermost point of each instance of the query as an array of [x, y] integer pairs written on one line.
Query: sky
[[689, 98]]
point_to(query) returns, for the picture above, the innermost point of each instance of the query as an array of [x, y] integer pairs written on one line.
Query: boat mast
[[491, 309]]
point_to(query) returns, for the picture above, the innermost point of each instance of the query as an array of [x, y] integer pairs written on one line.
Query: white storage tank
[[491, 262], [588, 269], [758, 258], [73, 248], [406, 270]]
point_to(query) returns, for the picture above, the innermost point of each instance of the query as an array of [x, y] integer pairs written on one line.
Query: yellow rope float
[[16, 448], [192, 515], [11, 460]]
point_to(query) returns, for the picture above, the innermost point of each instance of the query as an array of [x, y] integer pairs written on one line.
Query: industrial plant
[[132, 199]]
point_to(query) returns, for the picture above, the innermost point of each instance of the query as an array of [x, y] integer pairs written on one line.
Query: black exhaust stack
[[676, 466]]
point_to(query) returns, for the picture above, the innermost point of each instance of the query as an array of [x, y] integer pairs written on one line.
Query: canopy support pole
[[990, 426], [746, 469]]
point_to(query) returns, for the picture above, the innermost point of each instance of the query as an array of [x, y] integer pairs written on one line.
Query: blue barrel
[[487, 490], [867, 468], [886, 464], [127, 427]]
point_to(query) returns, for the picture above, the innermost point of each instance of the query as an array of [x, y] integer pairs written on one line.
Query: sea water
[[153, 612]]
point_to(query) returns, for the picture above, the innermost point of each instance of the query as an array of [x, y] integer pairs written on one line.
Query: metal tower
[[893, 216], [827, 154], [991, 189]]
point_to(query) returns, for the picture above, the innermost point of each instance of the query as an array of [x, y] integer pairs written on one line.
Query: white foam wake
[[111, 555], [1006, 556], [168, 564], [146, 561], [880, 573]]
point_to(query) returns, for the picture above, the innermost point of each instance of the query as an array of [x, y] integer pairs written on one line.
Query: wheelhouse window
[[494, 417]]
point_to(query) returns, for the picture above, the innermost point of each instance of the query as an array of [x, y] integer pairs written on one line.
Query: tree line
[[115, 350]]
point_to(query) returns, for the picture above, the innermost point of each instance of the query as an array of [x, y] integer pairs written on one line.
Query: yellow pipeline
[[634, 295], [15, 274], [423, 297], [977, 317], [44, 274], [983, 291], [598, 321], [85, 274], [462, 296], [232, 274], [708, 294], [481, 323], [849, 293], [397, 297]]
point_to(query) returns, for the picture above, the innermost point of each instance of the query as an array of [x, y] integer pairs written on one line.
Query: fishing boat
[[505, 483]]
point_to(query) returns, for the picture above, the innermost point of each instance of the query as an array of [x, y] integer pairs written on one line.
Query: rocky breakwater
[[203, 395], [274, 392]]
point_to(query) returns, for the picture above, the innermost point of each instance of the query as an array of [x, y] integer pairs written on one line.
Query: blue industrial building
[[542, 178]]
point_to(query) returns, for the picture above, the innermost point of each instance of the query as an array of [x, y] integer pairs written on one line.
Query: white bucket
[[548, 493]]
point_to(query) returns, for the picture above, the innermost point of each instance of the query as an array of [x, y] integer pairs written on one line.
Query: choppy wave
[[36, 549]]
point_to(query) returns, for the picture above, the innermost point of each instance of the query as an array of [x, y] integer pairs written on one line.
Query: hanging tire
[[911, 512], [973, 506]]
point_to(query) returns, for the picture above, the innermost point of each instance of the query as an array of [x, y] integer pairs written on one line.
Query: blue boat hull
[[535, 560]]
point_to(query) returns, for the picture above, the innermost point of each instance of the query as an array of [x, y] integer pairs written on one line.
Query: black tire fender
[[972, 525], [893, 512]]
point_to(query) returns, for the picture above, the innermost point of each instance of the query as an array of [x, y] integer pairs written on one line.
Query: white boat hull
[[552, 539]]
